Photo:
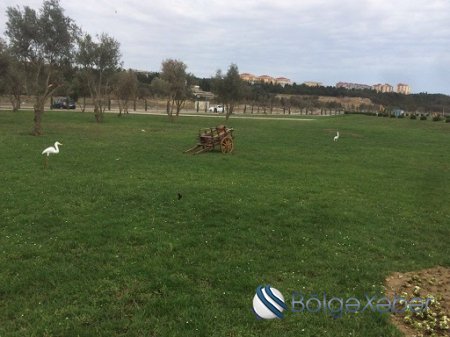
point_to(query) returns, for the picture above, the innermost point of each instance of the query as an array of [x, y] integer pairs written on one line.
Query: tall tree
[[80, 88], [15, 84], [43, 42], [4, 64], [229, 88], [12, 76], [98, 61], [173, 73], [125, 89]]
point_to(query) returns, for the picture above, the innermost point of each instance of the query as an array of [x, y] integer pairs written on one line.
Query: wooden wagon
[[209, 139]]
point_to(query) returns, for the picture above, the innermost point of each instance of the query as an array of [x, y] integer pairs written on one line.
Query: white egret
[[51, 150], [336, 137]]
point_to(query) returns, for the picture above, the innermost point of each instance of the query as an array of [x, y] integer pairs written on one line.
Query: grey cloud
[[366, 41]]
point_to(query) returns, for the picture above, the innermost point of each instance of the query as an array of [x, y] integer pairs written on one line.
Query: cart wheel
[[226, 145]]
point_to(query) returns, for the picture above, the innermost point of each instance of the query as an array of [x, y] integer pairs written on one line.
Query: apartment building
[[383, 87], [283, 81], [265, 79], [248, 77], [312, 84], [403, 88], [348, 85]]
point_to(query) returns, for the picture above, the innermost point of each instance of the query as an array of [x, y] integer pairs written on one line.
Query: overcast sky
[[361, 41]]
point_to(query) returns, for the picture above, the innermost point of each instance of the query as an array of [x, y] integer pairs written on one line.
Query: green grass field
[[98, 244]]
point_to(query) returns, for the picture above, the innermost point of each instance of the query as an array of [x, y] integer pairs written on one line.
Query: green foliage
[[174, 83], [436, 118], [412, 116], [98, 244], [423, 117], [98, 61], [229, 88], [125, 86], [426, 102], [46, 39], [44, 43]]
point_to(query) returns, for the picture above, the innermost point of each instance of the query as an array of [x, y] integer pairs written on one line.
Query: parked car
[[216, 108], [63, 103]]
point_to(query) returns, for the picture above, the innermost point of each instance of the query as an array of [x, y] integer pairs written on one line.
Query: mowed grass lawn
[[98, 244]]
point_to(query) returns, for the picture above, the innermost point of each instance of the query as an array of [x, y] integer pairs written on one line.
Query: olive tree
[[229, 88], [4, 65], [12, 77], [125, 89], [175, 83], [43, 42], [98, 60]]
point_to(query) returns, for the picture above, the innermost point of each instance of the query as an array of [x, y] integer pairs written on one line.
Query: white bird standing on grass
[[336, 137], [51, 150]]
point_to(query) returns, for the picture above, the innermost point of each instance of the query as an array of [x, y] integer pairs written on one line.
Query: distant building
[[248, 77], [403, 89], [383, 87], [312, 84], [283, 81], [265, 79], [350, 86]]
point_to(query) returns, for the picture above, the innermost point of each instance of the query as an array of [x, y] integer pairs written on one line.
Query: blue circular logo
[[268, 303]]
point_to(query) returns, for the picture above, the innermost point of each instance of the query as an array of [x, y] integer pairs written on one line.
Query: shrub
[[436, 118], [412, 116], [423, 117], [447, 119]]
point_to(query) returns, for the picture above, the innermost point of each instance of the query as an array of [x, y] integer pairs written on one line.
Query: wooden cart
[[211, 138]]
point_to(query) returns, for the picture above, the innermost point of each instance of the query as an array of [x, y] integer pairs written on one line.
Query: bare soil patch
[[435, 282]]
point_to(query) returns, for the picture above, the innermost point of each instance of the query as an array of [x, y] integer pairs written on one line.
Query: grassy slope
[[98, 243]]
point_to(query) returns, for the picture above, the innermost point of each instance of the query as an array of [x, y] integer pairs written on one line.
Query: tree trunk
[[38, 112], [145, 104], [120, 108], [98, 112], [179, 105], [15, 101], [168, 107], [83, 107]]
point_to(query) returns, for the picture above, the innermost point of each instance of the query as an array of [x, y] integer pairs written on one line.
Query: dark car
[[63, 104], [70, 105]]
